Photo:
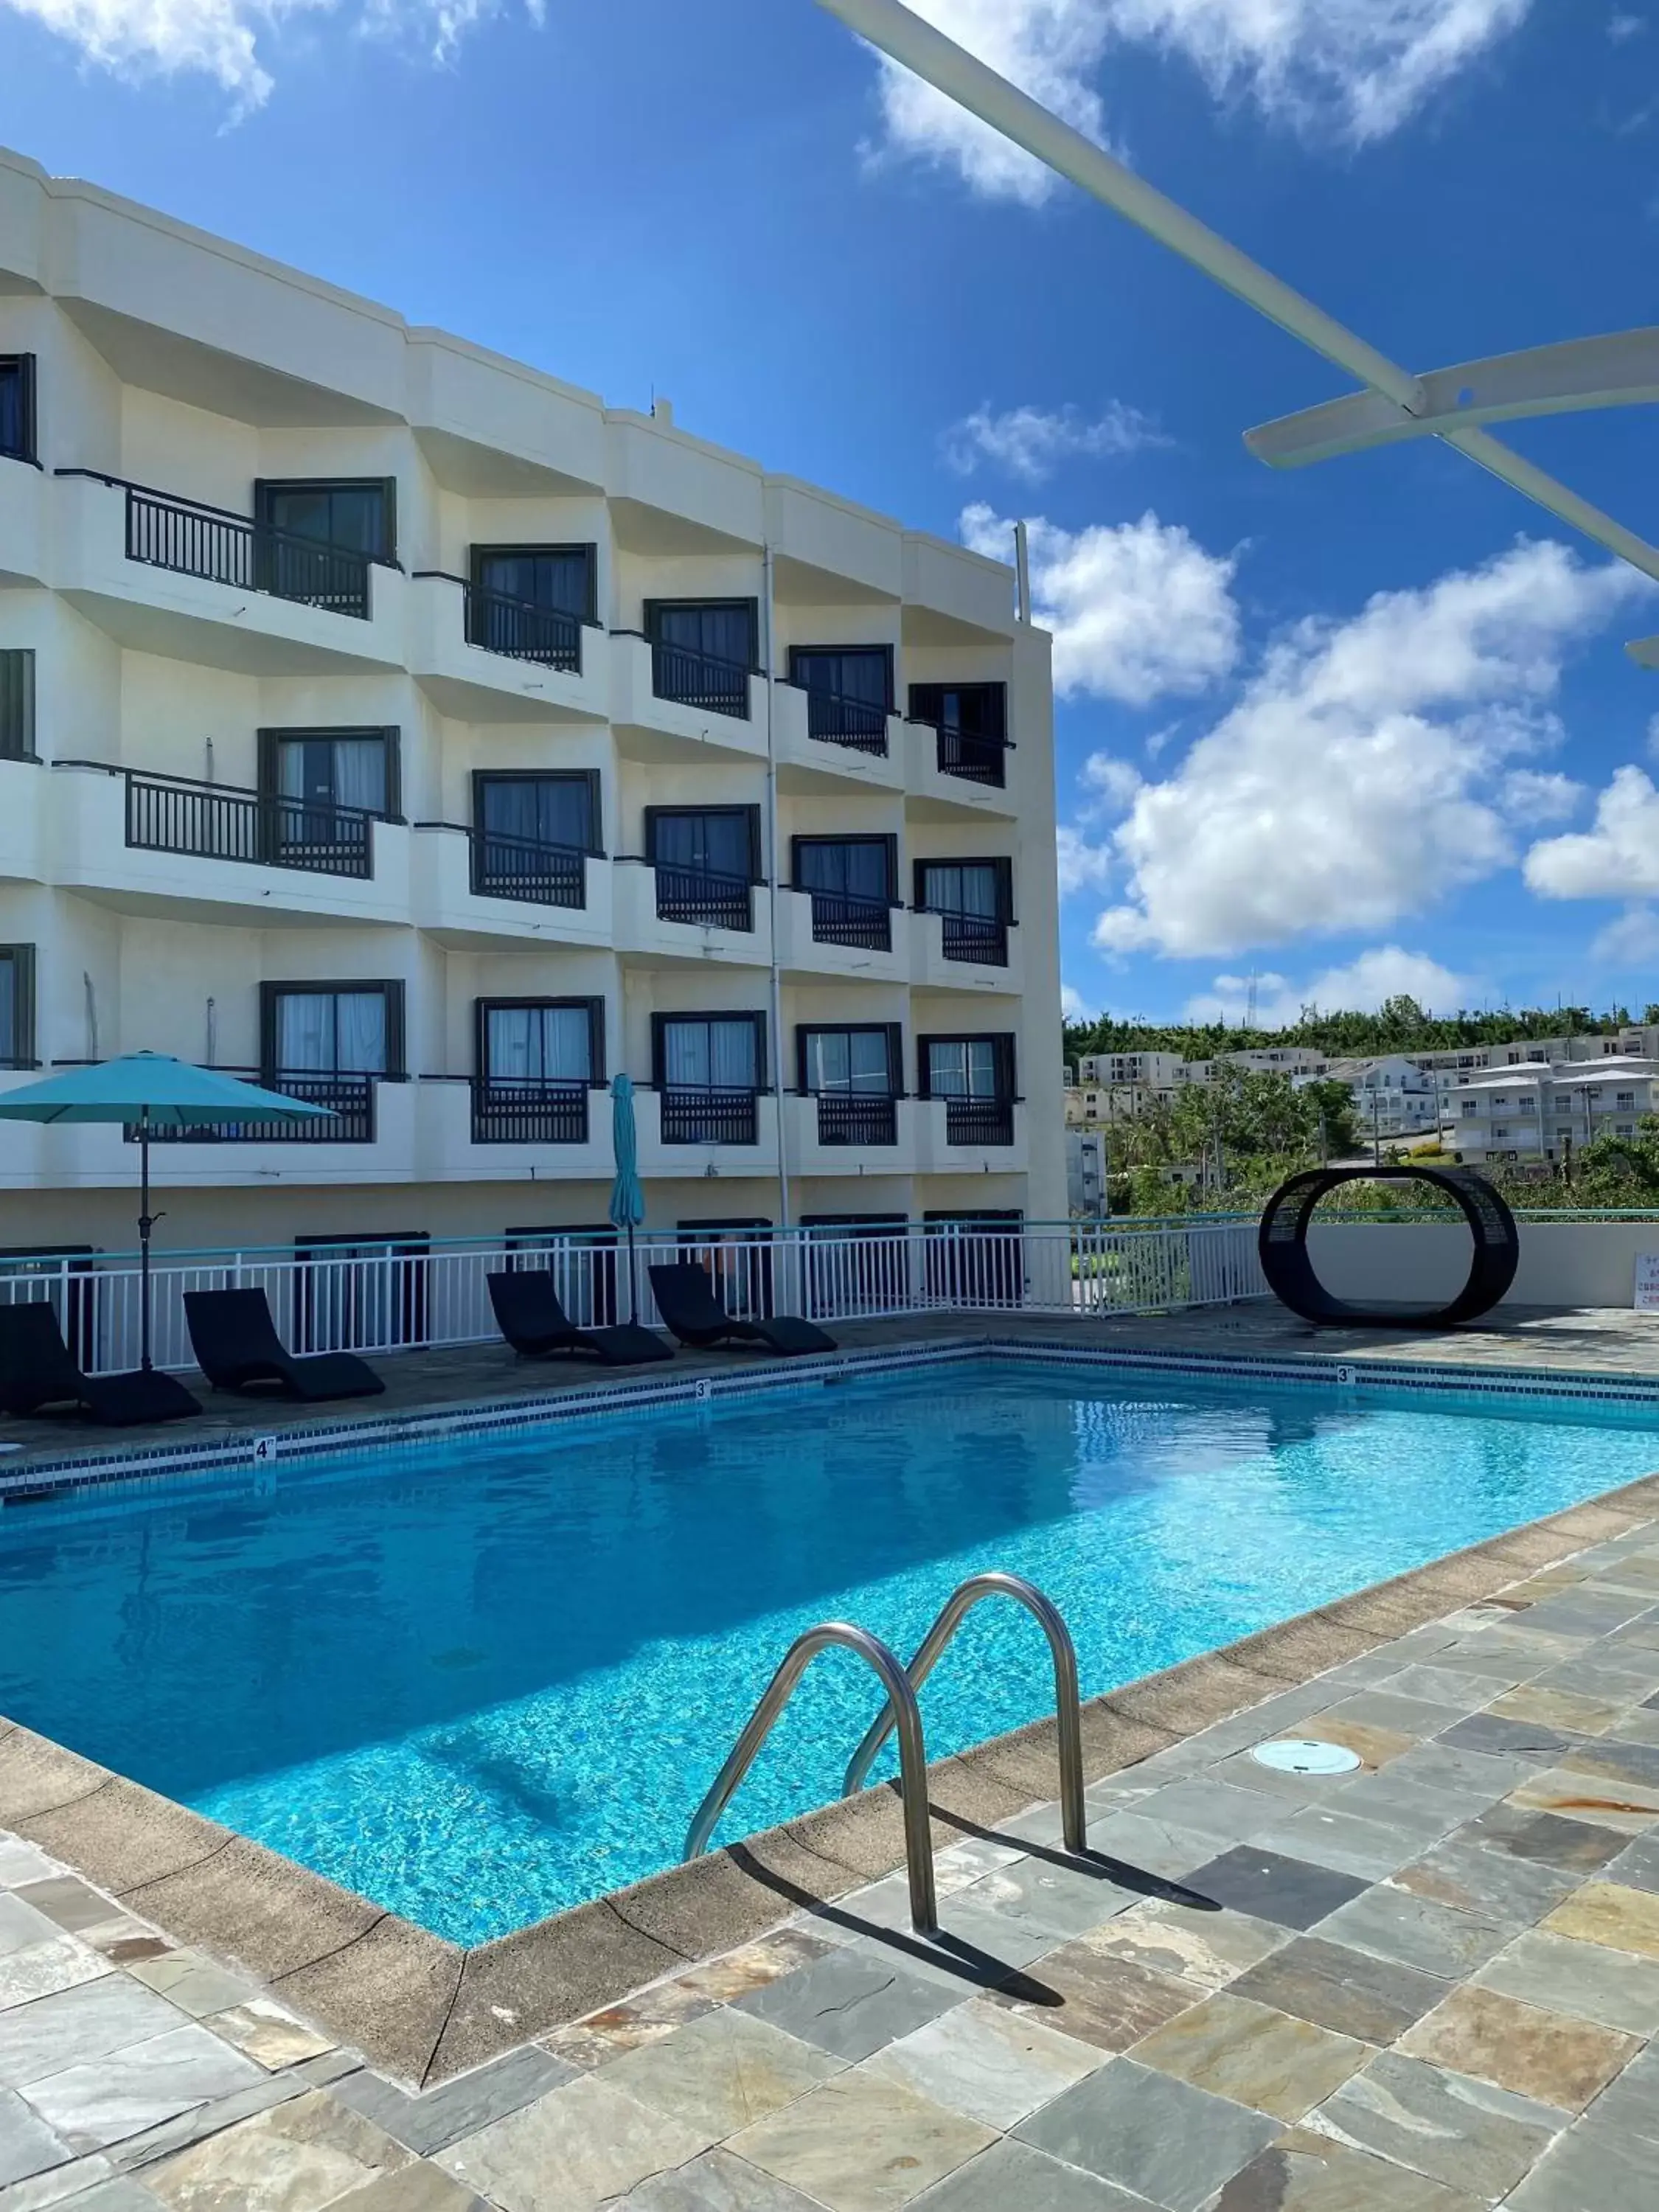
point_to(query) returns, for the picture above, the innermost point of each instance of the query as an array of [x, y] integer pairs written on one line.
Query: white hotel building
[[388, 721]]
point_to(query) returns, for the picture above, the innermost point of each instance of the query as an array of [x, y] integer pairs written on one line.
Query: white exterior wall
[[1563, 1263], [171, 359]]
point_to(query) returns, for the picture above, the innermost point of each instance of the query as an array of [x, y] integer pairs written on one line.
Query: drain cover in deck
[[1305, 1755]]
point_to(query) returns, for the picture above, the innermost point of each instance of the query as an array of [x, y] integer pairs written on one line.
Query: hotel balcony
[[664, 916], [951, 777], [159, 844], [827, 746], [372, 1141], [964, 953], [473, 886], [831, 933], [24, 493], [967, 1136], [668, 705], [848, 1133], [476, 1129], [686, 1135], [169, 576], [482, 658]]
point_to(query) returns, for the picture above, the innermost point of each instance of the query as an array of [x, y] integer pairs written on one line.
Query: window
[[1499, 1134], [540, 810], [17, 1006], [17, 704], [849, 692], [352, 515], [853, 881], [703, 652], [853, 1074], [1624, 1100], [17, 407], [361, 1293], [558, 579], [975, 1076], [1527, 1105], [708, 1068], [972, 721], [542, 1040], [976, 899], [1624, 1128], [706, 859], [353, 1029], [537, 1060], [321, 772]]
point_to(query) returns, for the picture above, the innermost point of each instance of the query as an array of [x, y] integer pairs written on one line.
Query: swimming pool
[[482, 1679]]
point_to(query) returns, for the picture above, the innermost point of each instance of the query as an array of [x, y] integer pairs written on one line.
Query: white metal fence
[[404, 1296]]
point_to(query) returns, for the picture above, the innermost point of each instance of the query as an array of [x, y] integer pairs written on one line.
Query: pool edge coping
[[425, 2010]]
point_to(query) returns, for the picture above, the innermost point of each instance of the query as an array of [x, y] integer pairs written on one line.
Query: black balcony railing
[[846, 1117], [709, 1118], [524, 868], [522, 630], [171, 814], [974, 937], [706, 896], [351, 1120], [506, 1111], [976, 759], [194, 540], [979, 1121], [852, 918], [699, 679], [836, 720]]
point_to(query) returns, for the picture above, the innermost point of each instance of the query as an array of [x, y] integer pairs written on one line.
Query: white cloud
[[1073, 1007], [1113, 782], [1138, 610], [1385, 972], [1533, 799], [1618, 858], [1030, 442], [1080, 864], [1631, 941], [138, 39], [1621, 27], [1356, 68], [1361, 773]]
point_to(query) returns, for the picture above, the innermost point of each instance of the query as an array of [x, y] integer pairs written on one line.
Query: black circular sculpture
[[1282, 1241]]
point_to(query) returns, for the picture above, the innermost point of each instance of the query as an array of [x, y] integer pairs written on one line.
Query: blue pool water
[[481, 1680]]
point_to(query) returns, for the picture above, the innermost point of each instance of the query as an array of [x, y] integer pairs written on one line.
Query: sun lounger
[[38, 1371], [535, 1324], [237, 1345], [685, 1298]]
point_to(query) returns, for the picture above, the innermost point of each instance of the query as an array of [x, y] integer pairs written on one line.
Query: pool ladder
[[902, 1713]]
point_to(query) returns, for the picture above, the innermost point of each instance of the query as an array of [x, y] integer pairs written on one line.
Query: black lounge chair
[[38, 1371], [686, 1300], [238, 1348], [535, 1325]]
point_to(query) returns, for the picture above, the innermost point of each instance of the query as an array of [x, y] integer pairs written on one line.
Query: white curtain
[[305, 1032], [359, 1035], [718, 1055], [334, 772], [534, 1044], [848, 1061], [962, 1068]]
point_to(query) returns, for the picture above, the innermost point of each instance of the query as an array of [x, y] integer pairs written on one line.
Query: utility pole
[[1377, 1128]]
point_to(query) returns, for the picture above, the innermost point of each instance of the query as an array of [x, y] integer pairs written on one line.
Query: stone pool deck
[[1428, 1987]]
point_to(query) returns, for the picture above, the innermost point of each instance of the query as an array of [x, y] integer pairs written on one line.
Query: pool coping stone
[[426, 2011]]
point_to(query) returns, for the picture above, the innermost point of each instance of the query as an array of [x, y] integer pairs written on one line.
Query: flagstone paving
[[1432, 1986]]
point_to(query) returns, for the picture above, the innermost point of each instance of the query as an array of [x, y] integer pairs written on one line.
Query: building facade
[[1393, 1097], [392, 723], [1542, 1110]]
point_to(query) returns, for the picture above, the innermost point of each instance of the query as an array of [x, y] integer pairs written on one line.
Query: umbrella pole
[[633, 1280], [146, 1223]]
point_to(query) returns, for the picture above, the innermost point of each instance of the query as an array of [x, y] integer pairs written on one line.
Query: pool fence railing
[[404, 1295]]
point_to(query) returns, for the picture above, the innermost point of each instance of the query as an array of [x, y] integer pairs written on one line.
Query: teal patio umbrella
[[148, 1090], [626, 1207]]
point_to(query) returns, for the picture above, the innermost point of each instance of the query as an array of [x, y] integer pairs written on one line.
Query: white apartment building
[[1275, 1060], [1537, 1110], [1393, 1097], [398, 726], [1452, 1069], [1159, 1072]]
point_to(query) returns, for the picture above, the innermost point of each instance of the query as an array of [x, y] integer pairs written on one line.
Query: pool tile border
[[425, 2010]]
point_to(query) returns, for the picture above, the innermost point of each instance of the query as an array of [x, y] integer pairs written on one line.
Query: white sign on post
[[1647, 1282]]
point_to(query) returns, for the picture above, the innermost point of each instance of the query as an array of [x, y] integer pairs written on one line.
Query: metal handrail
[[1068, 1711], [913, 1754]]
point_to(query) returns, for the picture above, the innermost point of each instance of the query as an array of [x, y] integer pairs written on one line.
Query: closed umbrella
[[148, 1090], [627, 1208]]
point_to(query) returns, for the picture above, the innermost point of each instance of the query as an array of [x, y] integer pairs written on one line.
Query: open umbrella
[[626, 1207], [148, 1090]]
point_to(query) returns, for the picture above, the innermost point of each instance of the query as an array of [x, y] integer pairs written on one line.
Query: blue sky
[[1362, 727]]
